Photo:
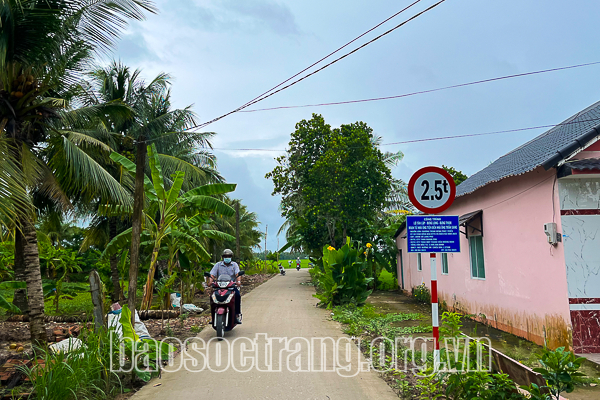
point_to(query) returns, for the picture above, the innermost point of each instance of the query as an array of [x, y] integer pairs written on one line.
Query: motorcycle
[[222, 304], [297, 267], [281, 270]]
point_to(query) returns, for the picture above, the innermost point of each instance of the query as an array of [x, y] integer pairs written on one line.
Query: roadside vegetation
[[410, 372], [98, 171], [342, 207]]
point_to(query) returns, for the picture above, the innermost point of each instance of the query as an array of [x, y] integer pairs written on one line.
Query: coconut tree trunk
[[117, 293], [20, 298], [138, 206], [33, 277]]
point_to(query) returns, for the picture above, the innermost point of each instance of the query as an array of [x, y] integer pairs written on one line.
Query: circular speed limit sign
[[431, 190]]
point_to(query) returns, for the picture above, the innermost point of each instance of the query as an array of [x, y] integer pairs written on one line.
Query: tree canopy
[[457, 175], [333, 182]]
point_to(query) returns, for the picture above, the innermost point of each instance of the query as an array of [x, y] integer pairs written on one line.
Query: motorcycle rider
[[229, 267]]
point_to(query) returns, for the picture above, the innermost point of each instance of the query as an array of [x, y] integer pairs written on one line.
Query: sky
[[223, 53]]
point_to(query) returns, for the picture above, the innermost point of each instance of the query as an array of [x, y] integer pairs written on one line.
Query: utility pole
[[237, 230], [266, 231], [277, 249]]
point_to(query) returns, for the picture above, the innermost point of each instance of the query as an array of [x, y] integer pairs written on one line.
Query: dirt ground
[[15, 337]]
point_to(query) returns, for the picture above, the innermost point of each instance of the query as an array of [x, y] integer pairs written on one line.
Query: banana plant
[[164, 211], [145, 355], [10, 285]]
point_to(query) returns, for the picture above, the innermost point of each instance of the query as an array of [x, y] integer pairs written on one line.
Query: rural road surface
[[279, 308]]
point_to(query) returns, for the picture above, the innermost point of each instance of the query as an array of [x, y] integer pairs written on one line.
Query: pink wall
[[525, 289]]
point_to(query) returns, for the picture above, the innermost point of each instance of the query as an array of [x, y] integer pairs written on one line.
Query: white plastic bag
[[192, 308], [66, 346], [139, 327], [175, 300]]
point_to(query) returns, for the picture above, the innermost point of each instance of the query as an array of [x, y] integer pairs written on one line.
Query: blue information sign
[[433, 234]]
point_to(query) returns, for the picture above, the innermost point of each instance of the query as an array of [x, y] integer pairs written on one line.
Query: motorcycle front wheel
[[220, 325]]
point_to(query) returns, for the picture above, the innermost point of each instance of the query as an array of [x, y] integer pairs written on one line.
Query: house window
[[419, 265], [444, 263], [476, 255]]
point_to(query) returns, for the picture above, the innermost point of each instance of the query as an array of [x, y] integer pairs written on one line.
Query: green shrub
[[340, 275], [481, 385], [558, 368], [254, 267], [386, 281], [83, 373], [421, 293]]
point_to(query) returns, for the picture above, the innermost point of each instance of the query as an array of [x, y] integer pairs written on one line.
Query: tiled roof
[[547, 149], [584, 165]]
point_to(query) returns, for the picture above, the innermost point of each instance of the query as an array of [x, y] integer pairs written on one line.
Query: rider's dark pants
[[238, 301]]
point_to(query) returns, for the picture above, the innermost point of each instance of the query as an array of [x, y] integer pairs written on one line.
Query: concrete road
[[280, 308]]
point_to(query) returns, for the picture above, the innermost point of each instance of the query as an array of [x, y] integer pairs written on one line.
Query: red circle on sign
[[413, 198]]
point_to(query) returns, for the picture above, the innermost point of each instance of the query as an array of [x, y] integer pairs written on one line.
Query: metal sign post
[[435, 323], [432, 190]]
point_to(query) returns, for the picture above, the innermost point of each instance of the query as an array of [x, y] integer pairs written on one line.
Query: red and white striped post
[[434, 313]]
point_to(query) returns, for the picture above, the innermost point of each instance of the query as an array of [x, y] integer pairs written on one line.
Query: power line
[[439, 137], [520, 193], [202, 125], [423, 92], [336, 50], [426, 91], [349, 53]]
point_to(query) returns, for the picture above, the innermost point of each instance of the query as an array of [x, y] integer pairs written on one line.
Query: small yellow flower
[[330, 248], [365, 253], [369, 245]]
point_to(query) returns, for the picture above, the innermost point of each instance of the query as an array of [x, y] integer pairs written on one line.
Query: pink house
[[530, 249]]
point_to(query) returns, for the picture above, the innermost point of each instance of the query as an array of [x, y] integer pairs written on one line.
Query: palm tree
[[166, 207], [153, 119], [249, 234], [44, 45], [397, 199]]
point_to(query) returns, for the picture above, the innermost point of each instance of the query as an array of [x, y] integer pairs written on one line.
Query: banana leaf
[[7, 305], [211, 189]]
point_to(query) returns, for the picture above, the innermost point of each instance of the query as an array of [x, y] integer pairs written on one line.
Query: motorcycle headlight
[[223, 284]]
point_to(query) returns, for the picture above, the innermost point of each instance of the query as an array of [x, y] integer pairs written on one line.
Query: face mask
[[227, 260]]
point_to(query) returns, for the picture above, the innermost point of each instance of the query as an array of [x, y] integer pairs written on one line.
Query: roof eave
[[561, 155], [400, 229], [571, 148]]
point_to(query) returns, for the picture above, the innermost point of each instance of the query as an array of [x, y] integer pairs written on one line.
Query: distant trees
[[457, 175]]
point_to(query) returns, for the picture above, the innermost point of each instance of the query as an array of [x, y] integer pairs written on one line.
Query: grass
[[272, 267], [366, 321], [303, 263], [79, 304], [80, 374], [82, 303]]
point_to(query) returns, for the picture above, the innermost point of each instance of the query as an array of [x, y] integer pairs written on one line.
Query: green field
[[303, 263]]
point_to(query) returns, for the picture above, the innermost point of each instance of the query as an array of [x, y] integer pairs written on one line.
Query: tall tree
[[44, 46], [250, 236], [333, 182], [153, 119], [167, 206]]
